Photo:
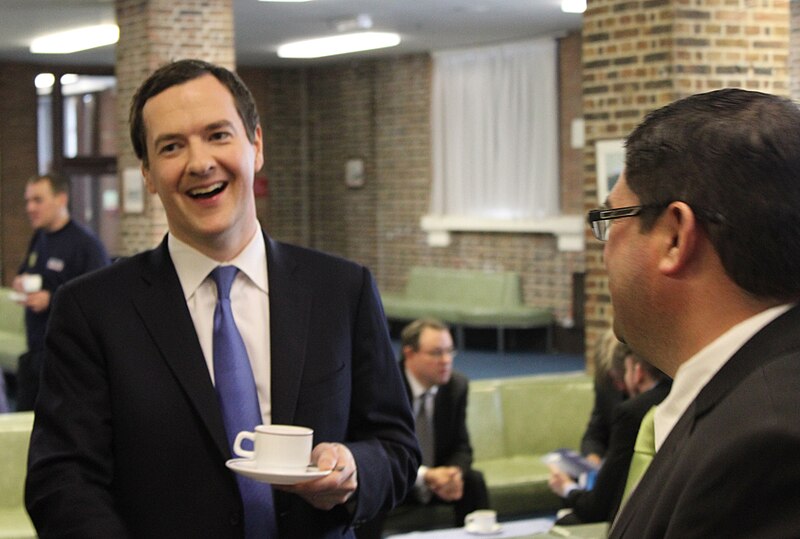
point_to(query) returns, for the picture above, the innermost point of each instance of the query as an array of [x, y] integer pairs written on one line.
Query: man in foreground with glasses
[[703, 262], [438, 395]]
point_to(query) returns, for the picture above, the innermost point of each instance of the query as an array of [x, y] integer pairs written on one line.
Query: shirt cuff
[[420, 481]]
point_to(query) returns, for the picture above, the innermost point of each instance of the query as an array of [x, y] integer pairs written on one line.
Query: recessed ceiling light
[[78, 39], [573, 6], [339, 44]]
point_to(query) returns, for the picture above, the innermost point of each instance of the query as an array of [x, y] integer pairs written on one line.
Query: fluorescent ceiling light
[[339, 44], [573, 6], [78, 39]]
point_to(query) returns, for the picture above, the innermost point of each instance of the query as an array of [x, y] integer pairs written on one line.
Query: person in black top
[[647, 386], [609, 391], [59, 251]]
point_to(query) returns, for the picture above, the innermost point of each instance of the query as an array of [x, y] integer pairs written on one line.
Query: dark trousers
[[29, 370], [475, 497]]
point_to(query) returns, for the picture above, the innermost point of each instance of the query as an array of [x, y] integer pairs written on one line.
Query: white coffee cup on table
[[284, 447], [481, 521]]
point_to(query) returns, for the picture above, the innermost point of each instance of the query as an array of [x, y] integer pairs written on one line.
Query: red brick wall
[[639, 56], [378, 111], [152, 33]]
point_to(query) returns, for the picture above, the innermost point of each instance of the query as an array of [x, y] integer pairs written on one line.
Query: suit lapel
[[289, 319], [163, 310]]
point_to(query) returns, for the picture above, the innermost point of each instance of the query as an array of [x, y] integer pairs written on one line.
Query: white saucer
[[17, 296], [276, 476], [472, 530]]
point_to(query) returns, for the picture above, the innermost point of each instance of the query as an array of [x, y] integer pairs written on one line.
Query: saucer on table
[[474, 530], [275, 476]]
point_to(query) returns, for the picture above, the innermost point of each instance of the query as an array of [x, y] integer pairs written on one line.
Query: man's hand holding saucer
[[335, 488]]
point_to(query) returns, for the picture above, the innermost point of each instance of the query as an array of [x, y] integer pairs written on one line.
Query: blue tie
[[238, 399]]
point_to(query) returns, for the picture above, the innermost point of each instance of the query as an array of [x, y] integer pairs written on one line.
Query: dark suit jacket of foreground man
[[128, 421], [744, 424]]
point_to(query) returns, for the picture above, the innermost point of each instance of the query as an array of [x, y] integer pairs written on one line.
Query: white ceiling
[[424, 25]]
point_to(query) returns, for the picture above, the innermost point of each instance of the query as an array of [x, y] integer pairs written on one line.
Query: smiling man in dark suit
[[703, 261], [130, 434]]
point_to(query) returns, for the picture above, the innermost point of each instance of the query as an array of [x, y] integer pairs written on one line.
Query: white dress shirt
[[693, 375], [249, 302]]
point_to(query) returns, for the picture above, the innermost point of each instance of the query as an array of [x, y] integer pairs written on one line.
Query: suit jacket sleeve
[[71, 469], [380, 433], [453, 447]]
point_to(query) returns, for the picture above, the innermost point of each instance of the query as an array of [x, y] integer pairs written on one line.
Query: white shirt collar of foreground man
[[693, 375]]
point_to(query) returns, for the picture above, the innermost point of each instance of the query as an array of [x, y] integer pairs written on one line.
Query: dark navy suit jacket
[[128, 439]]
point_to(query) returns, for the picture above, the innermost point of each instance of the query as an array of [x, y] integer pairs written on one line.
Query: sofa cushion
[[12, 331], [15, 432]]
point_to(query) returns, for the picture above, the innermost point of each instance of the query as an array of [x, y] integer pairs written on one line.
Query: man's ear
[[678, 228], [148, 182], [258, 147], [63, 199]]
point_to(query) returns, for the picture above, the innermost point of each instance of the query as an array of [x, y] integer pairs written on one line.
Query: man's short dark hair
[[734, 157], [410, 334], [179, 72], [58, 183]]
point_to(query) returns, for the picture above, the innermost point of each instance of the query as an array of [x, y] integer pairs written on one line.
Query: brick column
[[641, 55], [152, 33], [794, 50]]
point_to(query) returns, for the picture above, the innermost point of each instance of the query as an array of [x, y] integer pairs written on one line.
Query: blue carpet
[[479, 364]]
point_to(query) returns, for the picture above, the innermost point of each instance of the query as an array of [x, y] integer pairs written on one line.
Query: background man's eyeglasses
[[440, 352]]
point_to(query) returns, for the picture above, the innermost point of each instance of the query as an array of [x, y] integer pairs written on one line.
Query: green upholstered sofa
[[467, 298], [513, 423], [12, 331], [15, 433]]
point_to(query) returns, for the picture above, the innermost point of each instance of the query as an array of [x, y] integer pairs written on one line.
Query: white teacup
[[285, 447], [31, 282], [481, 521]]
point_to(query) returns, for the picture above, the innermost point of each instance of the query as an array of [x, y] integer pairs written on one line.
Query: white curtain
[[495, 131]]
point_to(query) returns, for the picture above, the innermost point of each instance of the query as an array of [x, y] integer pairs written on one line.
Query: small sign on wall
[[132, 190], [354, 173]]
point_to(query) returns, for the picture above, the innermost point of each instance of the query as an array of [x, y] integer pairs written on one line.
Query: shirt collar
[[417, 389], [693, 375], [193, 266]]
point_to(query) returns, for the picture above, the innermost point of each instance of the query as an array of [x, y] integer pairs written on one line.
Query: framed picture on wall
[[610, 158]]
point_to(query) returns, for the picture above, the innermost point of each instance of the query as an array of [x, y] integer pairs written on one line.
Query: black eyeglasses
[[600, 220]]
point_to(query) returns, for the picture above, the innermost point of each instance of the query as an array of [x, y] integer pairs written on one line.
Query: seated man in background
[[609, 391], [438, 395], [646, 386]]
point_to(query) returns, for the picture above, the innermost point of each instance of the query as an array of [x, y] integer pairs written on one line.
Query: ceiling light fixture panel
[[339, 44], [77, 39]]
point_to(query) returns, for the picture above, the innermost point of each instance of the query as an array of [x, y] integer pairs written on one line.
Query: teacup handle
[[237, 444], [469, 519]]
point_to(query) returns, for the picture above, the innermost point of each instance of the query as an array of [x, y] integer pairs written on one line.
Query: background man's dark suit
[[451, 441], [744, 424], [125, 371], [601, 503]]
